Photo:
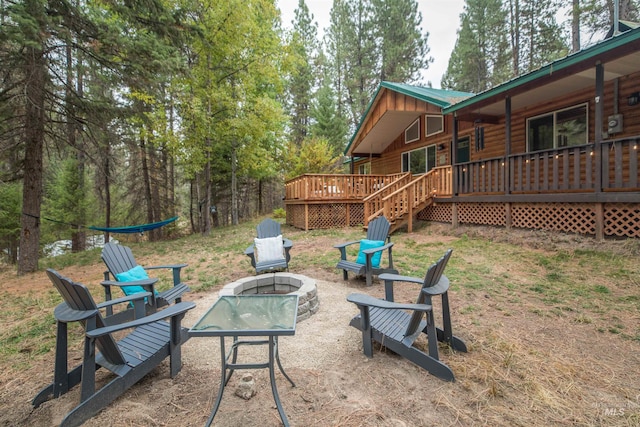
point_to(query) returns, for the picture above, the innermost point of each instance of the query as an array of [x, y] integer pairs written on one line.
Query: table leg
[[280, 364], [274, 390], [223, 382]]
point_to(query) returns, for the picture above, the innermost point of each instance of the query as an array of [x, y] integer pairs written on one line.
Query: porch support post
[[410, 198], [506, 168], [597, 150], [454, 215], [454, 148], [507, 216], [599, 207]]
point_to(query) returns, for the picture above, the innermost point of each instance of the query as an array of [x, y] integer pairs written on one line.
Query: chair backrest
[[433, 276], [117, 258], [78, 297], [378, 229], [268, 228]]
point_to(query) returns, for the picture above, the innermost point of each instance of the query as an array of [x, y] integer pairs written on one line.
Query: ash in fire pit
[[279, 283]]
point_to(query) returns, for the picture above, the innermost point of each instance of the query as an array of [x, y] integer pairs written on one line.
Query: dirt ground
[[521, 370]]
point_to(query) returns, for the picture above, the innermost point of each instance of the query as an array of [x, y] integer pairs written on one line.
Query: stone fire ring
[[297, 284]]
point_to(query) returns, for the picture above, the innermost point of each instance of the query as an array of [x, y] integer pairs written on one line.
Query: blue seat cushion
[[136, 273], [370, 244]]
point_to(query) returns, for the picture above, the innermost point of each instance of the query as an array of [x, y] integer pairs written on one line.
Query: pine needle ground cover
[[552, 323]]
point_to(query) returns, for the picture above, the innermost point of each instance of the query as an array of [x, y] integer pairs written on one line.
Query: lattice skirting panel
[[439, 212], [329, 215], [482, 213], [566, 217], [622, 220], [295, 216]]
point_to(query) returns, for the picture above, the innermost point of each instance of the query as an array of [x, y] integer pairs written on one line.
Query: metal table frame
[[231, 324]]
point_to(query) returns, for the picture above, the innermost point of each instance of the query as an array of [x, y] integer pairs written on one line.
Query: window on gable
[[434, 125], [562, 128], [412, 133], [419, 161]]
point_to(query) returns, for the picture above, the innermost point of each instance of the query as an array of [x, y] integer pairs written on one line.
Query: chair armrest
[[362, 300], [288, 244], [374, 250], [63, 313], [171, 266], [127, 298], [143, 282], [177, 268], [398, 278], [344, 245], [389, 279], [249, 251], [174, 310]]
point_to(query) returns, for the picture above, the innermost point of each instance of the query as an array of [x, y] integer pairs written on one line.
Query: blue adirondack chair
[[370, 256], [397, 325], [119, 261], [151, 339]]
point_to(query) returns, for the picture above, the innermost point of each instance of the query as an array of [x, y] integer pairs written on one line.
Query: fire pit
[[279, 283]]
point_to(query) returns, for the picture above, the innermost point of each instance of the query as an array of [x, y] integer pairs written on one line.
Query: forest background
[[119, 113]]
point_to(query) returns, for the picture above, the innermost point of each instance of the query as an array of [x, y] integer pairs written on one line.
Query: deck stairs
[[402, 203]]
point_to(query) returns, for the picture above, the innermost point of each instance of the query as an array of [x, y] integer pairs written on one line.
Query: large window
[[419, 161], [559, 129], [434, 125], [364, 169], [412, 133]]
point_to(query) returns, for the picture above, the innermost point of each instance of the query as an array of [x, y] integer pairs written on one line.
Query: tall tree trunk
[[514, 11], [78, 237], [156, 203], [35, 71], [234, 184], [575, 26], [146, 177], [107, 191], [206, 209]]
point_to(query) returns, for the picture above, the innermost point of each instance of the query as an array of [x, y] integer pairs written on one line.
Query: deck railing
[[569, 169], [336, 187]]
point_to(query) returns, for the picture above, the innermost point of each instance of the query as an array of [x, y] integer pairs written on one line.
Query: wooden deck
[[589, 189]]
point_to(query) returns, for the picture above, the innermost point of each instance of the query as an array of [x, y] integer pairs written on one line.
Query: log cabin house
[[555, 149]]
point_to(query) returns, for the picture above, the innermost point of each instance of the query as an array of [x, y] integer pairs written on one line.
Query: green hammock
[[134, 228]]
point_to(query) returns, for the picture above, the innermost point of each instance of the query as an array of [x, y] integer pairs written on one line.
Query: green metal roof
[[439, 97], [572, 59]]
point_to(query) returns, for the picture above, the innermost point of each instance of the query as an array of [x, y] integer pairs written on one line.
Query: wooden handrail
[[401, 202]]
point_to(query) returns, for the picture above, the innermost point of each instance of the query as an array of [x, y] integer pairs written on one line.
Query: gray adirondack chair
[[119, 259], [269, 228], [378, 229], [390, 324], [150, 341]]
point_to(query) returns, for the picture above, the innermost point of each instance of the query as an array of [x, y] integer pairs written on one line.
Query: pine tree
[[302, 82], [536, 37], [328, 123], [480, 58], [403, 50]]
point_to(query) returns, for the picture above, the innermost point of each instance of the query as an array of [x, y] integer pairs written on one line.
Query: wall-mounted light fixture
[[441, 147], [633, 98]]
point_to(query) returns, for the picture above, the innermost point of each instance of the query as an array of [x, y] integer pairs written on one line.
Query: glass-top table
[[267, 316]]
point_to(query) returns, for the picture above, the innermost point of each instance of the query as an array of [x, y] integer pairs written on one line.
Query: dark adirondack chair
[[119, 259], [269, 229], [150, 341], [390, 324], [378, 230]]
